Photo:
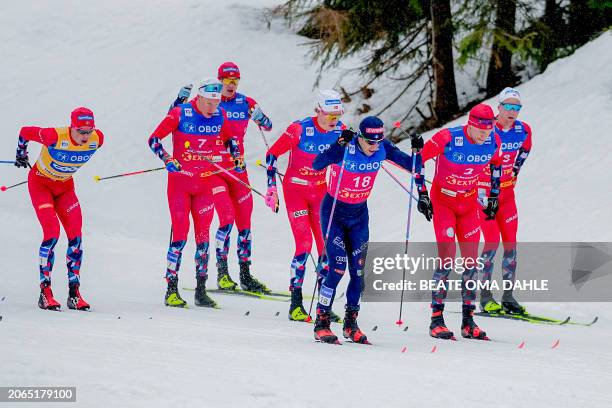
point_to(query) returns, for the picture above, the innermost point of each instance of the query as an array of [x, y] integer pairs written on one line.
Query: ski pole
[[4, 188], [222, 170], [401, 168], [397, 125], [7, 161], [133, 173], [399, 183], [329, 223], [399, 320]]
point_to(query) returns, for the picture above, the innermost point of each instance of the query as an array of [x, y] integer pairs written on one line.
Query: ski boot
[[173, 298], [75, 300], [248, 282], [296, 309], [469, 329], [201, 298], [350, 329], [510, 304], [322, 332], [224, 280], [46, 300], [437, 327], [488, 303]]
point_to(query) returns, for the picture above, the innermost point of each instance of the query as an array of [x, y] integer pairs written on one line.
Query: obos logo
[[369, 166], [511, 146], [323, 147], [458, 157], [479, 158], [236, 115]]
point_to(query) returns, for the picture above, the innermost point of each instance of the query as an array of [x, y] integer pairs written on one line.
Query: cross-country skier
[[354, 161], [304, 187], [233, 201], [515, 139], [200, 137], [463, 153], [51, 187]]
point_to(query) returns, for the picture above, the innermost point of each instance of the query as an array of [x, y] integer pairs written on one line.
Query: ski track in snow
[[127, 60]]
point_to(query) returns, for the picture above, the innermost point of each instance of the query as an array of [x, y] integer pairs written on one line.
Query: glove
[[239, 166], [262, 120], [346, 136], [172, 165], [424, 205], [515, 171], [21, 158], [185, 92], [416, 141], [492, 207], [272, 198]]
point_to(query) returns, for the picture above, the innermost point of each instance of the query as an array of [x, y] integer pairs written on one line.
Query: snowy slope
[[126, 60]]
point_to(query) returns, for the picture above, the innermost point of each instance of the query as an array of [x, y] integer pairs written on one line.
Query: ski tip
[[522, 345], [276, 314], [118, 317], [590, 324], [567, 319], [555, 344], [404, 349], [374, 328], [4, 297], [434, 349], [0, 318], [406, 328], [248, 312]]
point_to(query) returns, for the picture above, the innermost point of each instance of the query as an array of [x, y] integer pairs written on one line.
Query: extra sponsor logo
[[309, 131], [239, 100], [64, 144], [188, 112], [206, 209], [300, 213], [72, 207], [93, 145], [218, 190], [458, 141]]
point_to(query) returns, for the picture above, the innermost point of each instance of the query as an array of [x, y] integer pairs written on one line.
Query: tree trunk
[[500, 73], [445, 103]]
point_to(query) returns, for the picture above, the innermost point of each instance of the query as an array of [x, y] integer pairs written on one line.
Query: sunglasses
[[211, 88], [331, 117], [511, 106], [486, 122], [84, 132], [230, 81], [371, 142]]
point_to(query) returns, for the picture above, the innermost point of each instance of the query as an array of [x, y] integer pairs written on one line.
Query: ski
[[525, 318], [585, 324], [240, 292]]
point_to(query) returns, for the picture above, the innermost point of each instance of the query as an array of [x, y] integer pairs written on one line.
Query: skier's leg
[[357, 246], [44, 207], [69, 212], [225, 210], [202, 213], [507, 218], [314, 213], [242, 199], [298, 213], [179, 202]]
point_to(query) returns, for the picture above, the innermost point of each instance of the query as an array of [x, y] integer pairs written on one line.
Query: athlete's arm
[[288, 140], [435, 146], [331, 155], [523, 152], [167, 125]]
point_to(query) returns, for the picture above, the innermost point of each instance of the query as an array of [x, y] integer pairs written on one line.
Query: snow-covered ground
[[127, 60]]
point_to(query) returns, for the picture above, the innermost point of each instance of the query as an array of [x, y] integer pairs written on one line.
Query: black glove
[[21, 159], [346, 137], [492, 207], [424, 205], [416, 141]]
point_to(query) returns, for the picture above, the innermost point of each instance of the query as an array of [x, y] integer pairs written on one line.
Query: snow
[[127, 60]]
